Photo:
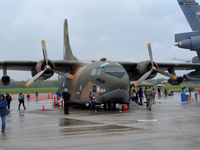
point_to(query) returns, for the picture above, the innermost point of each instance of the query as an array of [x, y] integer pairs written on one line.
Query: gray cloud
[[115, 29]]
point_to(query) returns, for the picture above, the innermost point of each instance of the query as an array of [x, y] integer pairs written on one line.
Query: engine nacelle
[[194, 74], [176, 81], [195, 59], [192, 43], [5, 80], [146, 66], [41, 66]]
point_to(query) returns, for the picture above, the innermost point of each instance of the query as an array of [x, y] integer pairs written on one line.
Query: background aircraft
[[190, 40], [109, 80]]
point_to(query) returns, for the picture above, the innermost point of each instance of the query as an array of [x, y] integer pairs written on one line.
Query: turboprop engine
[[40, 66], [176, 81], [5, 80], [146, 66]]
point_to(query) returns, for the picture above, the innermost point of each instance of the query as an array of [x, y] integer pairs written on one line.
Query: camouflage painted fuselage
[[108, 80]]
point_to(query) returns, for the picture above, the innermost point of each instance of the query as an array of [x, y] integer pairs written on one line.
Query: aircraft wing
[[179, 66], [18, 65], [60, 65], [134, 72]]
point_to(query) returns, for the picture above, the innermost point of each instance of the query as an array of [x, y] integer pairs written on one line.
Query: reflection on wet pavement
[[170, 125], [73, 122]]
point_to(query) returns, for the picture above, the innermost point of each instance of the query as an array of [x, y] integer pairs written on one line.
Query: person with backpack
[[21, 101], [3, 112]]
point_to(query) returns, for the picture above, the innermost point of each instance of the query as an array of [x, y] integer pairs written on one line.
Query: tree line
[[38, 84]]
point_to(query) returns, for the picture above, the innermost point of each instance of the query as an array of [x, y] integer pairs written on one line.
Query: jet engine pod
[[192, 43], [194, 74], [5, 80], [176, 81], [41, 66], [146, 66]]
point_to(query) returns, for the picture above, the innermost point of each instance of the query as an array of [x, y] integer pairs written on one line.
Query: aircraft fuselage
[[109, 81]]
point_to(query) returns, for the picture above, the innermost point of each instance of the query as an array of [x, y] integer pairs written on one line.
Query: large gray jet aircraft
[[190, 40]]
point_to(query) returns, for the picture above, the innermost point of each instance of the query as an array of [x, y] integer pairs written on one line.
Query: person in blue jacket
[[3, 112], [140, 92]]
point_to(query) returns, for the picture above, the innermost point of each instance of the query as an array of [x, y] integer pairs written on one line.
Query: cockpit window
[[115, 71]]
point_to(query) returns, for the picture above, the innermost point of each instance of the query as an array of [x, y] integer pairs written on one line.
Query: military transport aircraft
[[109, 80], [190, 40]]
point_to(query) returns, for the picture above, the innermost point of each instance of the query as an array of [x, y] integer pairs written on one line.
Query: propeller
[[147, 74], [47, 68]]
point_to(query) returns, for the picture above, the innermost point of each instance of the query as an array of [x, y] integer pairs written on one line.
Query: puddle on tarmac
[[73, 122], [106, 128]]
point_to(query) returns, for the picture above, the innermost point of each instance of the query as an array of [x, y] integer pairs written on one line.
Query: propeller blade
[[67, 75], [141, 79], [34, 78], [167, 74], [44, 50], [145, 76], [150, 53]]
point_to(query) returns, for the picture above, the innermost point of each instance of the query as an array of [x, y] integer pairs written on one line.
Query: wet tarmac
[[170, 125]]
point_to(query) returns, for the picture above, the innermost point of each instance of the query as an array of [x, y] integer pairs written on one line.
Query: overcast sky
[[116, 29]]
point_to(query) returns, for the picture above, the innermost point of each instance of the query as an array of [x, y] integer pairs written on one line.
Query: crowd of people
[[5, 102], [149, 93], [137, 94]]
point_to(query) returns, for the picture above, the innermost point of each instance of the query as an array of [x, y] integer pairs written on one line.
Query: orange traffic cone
[[42, 107]]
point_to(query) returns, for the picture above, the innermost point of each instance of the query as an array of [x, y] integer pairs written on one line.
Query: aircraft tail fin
[[191, 10], [68, 55]]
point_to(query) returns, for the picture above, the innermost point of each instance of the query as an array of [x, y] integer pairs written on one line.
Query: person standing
[[165, 92], [154, 96], [8, 99], [36, 96], [149, 96], [196, 96], [58, 95], [28, 97], [140, 93], [3, 112], [21, 100], [66, 96], [199, 92], [159, 92], [90, 96]]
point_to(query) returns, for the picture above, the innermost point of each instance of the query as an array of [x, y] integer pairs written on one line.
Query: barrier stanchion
[[54, 102], [62, 104], [58, 103], [49, 96]]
